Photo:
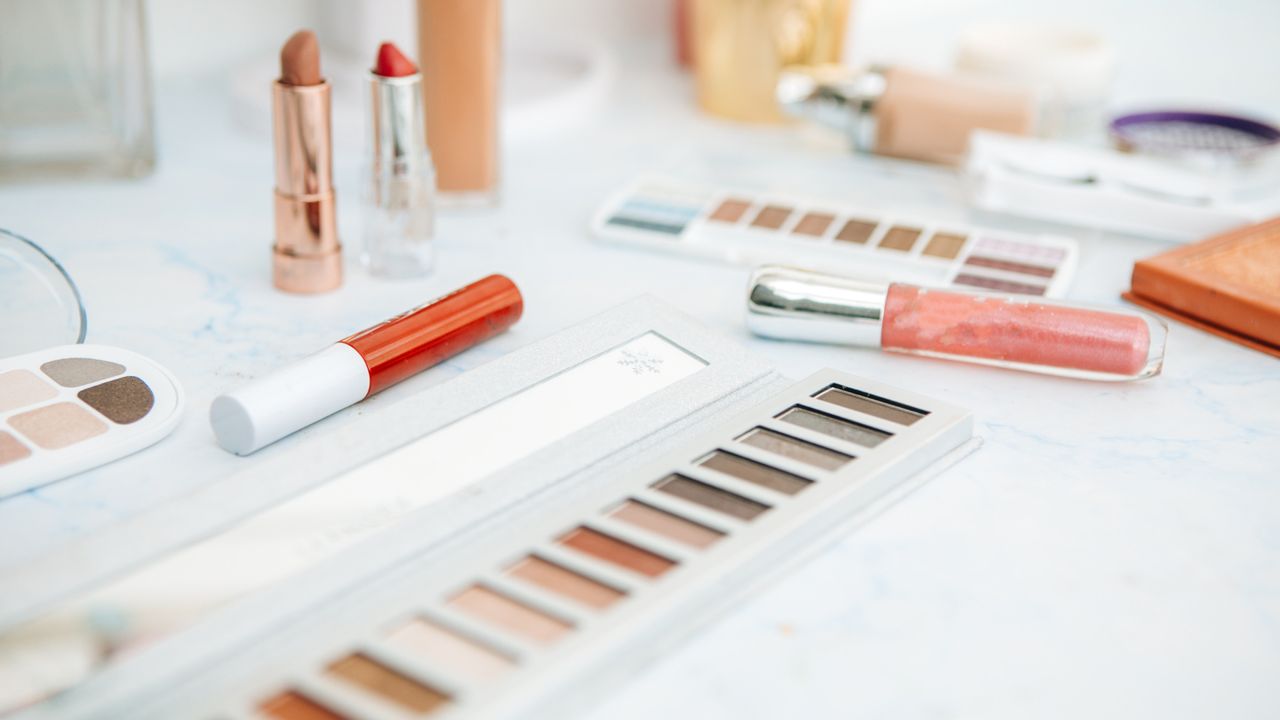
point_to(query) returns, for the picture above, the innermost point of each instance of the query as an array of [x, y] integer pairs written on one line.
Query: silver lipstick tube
[[400, 219]]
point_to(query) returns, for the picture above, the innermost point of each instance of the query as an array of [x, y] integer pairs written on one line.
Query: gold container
[[740, 46]]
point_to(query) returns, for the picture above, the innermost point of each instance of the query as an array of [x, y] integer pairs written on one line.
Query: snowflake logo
[[640, 362]]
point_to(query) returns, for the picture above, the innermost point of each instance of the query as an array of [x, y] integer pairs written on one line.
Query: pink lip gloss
[[990, 329]]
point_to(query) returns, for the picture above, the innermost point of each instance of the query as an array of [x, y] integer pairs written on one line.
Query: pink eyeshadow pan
[[11, 450], [57, 426]]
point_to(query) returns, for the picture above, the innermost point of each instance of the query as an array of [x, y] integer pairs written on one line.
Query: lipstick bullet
[[307, 257]]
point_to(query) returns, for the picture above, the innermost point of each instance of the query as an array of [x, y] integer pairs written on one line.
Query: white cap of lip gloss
[[291, 398]]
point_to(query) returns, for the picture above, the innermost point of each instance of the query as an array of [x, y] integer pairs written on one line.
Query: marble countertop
[[1111, 551]]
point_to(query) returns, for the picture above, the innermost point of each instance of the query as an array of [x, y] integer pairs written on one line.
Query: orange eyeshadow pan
[[813, 224], [616, 552]]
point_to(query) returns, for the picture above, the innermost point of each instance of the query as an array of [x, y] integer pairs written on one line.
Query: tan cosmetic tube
[[460, 51], [929, 117]]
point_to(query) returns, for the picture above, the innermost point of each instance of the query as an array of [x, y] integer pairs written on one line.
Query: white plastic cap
[[284, 402]]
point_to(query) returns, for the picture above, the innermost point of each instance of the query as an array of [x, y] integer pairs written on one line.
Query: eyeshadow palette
[[508, 627], [538, 526], [69, 408], [751, 228]]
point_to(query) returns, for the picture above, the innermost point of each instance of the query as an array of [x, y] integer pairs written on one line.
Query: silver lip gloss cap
[[834, 96], [794, 304]]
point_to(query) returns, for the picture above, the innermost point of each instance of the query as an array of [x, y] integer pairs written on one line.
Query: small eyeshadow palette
[[516, 540], [750, 228], [73, 407]]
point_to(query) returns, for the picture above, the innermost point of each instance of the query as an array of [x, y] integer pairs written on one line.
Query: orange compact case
[[1228, 285]]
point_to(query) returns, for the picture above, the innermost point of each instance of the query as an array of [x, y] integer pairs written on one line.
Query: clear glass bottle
[[75, 89]]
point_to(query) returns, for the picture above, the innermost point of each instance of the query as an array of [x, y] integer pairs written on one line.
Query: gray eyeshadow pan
[[793, 448], [754, 472], [707, 496], [835, 427], [871, 405], [74, 372]]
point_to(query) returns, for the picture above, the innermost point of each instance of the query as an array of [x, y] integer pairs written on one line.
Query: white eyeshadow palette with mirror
[[516, 541], [756, 228]]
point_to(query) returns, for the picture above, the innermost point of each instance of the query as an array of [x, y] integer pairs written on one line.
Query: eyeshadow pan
[[944, 245], [10, 449], [123, 400], [771, 217], [730, 210], [814, 223], [870, 404], [422, 637], [395, 687], [835, 427], [563, 581], [754, 472], [900, 238], [668, 525], [1010, 265], [708, 496], [615, 551], [74, 372], [500, 610], [292, 705], [794, 448], [989, 283], [58, 425], [856, 231], [19, 388]]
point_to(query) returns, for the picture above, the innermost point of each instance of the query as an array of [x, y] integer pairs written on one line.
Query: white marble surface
[[1112, 551]]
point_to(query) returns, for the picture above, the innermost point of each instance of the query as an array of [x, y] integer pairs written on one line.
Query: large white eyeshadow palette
[[509, 625], [753, 228], [69, 408]]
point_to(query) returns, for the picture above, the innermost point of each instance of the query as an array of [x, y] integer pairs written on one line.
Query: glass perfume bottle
[[75, 89]]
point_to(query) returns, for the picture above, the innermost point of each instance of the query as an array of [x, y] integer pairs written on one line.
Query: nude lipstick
[[400, 217], [368, 362], [307, 257], [1005, 331]]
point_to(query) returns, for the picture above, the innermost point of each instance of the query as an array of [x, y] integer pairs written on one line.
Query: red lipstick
[[307, 257], [392, 63]]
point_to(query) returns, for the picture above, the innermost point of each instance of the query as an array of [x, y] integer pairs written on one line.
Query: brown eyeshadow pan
[[944, 245], [794, 448], [292, 705], [491, 606], [390, 685], [565, 582], [870, 404], [708, 496], [990, 283], [58, 425], [832, 426], [730, 210], [814, 223], [856, 231], [123, 400], [671, 526], [754, 472], [900, 238], [771, 217], [1010, 265], [615, 551]]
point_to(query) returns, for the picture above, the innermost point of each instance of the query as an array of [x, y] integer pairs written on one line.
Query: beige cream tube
[[459, 43]]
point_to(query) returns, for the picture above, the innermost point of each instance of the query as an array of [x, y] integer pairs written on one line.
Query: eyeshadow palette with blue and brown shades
[[753, 228], [549, 593], [70, 408]]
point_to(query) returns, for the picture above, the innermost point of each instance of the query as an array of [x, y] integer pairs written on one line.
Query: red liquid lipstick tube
[[370, 361]]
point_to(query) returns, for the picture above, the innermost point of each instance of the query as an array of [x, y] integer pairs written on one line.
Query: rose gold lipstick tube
[[307, 257]]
